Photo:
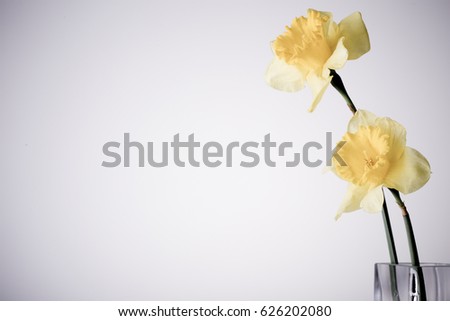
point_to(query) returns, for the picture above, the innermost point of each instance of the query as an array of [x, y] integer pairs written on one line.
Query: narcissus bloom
[[312, 46], [374, 154]]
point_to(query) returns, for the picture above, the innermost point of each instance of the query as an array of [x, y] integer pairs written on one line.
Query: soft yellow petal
[[338, 59], [285, 77], [352, 200], [328, 15], [356, 37], [373, 201], [409, 173], [318, 87], [396, 137], [330, 28], [361, 118]]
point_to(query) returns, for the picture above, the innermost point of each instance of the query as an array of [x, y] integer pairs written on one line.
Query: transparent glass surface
[[401, 282]]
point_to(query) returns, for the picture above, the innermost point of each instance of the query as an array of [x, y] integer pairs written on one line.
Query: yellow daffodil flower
[[312, 46], [374, 154]]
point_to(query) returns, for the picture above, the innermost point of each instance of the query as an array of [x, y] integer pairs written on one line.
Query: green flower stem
[[392, 252], [338, 84], [415, 262], [409, 230], [389, 234]]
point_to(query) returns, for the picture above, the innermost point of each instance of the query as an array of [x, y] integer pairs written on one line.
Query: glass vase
[[402, 282]]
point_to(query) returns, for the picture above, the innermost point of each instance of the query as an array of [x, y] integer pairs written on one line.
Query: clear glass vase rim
[[423, 264]]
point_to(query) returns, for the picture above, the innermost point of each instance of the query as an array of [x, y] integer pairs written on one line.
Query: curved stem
[[389, 234], [337, 83], [415, 262], [392, 252], [409, 230]]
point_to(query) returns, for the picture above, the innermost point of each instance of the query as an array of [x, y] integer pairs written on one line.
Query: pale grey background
[[74, 75]]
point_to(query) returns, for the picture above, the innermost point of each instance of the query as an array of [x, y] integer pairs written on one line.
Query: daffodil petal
[[373, 201], [318, 87], [330, 28], [356, 37], [338, 59], [283, 76], [409, 173], [396, 137], [331, 32], [361, 118], [352, 199], [327, 14]]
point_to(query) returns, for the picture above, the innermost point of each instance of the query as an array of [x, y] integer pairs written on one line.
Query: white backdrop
[[75, 75]]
